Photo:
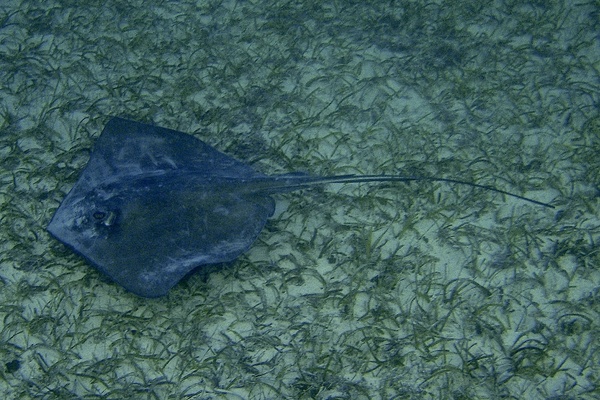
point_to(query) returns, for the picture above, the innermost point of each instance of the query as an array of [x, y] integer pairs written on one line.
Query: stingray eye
[[106, 218]]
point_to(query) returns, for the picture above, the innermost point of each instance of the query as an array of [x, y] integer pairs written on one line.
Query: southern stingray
[[153, 204]]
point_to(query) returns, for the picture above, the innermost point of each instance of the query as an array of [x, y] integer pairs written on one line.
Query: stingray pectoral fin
[[160, 237]]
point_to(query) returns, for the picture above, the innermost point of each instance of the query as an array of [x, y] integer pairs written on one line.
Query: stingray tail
[[297, 181]]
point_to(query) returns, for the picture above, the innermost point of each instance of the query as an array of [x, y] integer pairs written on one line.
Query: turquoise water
[[419, 291]]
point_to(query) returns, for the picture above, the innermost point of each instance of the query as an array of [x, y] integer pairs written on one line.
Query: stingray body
[[152, 204]]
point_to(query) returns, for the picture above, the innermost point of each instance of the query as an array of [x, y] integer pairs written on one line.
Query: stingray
[[154, 204]]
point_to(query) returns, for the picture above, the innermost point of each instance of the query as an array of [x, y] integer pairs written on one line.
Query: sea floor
[[391, 291]]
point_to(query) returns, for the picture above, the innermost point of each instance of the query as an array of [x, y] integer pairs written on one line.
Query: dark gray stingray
[[153, 204]]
